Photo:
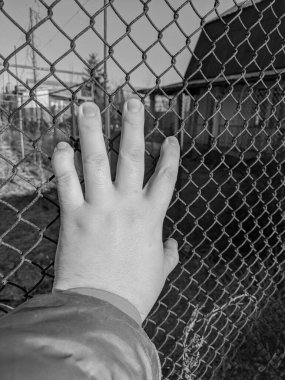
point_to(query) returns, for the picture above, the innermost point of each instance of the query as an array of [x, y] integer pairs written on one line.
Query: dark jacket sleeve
[[66, 335]]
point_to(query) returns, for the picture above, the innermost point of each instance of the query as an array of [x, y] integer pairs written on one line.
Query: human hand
[[111, 239]]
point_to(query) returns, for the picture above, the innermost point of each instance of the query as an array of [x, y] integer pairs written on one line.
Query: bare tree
[[95, 77]]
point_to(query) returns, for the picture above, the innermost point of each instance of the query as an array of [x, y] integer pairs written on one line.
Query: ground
[[226, 272]]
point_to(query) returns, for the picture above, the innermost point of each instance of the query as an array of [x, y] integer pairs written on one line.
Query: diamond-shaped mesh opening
[[210, 73]]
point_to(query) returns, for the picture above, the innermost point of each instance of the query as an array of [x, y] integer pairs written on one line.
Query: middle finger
[[96, 168], [130, 166]]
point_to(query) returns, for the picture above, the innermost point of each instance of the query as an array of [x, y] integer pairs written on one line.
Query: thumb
[[171, 257]]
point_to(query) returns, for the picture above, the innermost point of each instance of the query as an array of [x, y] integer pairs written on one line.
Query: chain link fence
[[221, 312]]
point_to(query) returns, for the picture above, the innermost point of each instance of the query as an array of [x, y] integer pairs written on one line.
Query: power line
[[67, 22], [47, 69]]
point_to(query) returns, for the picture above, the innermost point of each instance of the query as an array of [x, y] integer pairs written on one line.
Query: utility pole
[[106, 101], [19, 102], [73, 131], [34, 63]]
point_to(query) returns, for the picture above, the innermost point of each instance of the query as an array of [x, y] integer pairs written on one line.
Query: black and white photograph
[[142, 198]]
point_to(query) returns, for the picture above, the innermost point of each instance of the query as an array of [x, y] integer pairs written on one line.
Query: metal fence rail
[[221, 312]]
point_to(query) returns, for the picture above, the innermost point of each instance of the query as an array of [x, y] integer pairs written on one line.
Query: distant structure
[[234, 81]]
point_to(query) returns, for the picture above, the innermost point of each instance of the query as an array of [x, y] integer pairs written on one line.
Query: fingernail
[[89, 109], [61, 145], [172, 140], [134, 105]]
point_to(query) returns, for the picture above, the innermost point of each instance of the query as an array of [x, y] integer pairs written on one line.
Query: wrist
[[120, 302]]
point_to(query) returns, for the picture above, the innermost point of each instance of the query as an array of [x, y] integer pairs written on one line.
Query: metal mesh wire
[[221, 312]]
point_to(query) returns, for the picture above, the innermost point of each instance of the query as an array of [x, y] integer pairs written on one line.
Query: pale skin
[[111, 237]]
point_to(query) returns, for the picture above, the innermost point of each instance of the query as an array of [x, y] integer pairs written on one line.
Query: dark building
[[235, 80]]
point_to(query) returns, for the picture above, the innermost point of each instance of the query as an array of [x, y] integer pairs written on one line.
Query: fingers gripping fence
[[221, 312]]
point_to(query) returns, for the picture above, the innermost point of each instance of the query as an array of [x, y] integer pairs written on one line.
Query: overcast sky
[[68, 15]]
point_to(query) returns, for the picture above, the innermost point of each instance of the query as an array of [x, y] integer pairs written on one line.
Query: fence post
[[215, 119], [178, 119], [152, 112], [21, 126], [73, 130], [106, 100], [180, 135]]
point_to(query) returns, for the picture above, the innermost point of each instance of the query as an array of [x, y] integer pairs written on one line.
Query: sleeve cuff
[[121, 303]]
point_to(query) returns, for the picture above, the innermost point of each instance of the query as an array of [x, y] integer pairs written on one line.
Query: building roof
[[245, 40], [242, 42], [234, 8]]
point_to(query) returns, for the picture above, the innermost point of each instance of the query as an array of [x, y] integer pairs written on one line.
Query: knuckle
[[90, 126], [169, 173], [64, 178], [134, 120], [97, 159], [100, 177], [135, 154]]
